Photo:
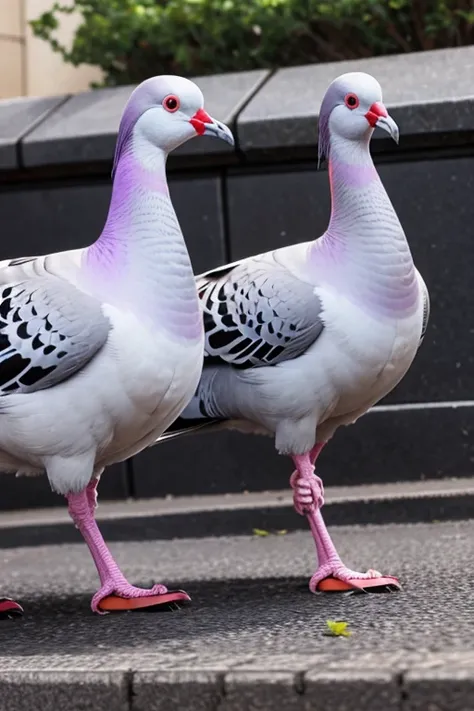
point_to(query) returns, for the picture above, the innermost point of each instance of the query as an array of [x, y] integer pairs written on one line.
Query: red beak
[[199, 119], [205, 125], [376, 112]]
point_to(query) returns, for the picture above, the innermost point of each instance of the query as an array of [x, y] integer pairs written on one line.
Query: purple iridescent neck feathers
[[364, 253], [140, 262]]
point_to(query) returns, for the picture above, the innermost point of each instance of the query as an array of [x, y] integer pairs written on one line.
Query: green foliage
[[134, 39]]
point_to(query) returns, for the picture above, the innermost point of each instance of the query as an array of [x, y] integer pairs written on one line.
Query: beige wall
[[27, 64], [12, 46]]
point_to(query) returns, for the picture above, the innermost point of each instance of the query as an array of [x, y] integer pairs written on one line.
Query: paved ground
[[253, 626]]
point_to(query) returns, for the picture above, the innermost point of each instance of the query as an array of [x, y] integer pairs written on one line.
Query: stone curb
[[428, 685]]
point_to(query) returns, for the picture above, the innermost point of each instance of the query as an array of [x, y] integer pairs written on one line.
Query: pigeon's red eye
[[351, 101], [171, 103]]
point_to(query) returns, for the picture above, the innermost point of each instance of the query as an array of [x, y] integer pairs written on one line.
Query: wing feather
[[257, 313], [49, 330]]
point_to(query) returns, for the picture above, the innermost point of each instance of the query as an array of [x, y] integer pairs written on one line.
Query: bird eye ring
[[171, 103], [351, 101]]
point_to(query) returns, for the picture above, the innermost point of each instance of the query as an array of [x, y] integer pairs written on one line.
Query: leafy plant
[[134, 39]]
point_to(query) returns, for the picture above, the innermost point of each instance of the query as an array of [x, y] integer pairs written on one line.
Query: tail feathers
[[182, 427], [199, 414]]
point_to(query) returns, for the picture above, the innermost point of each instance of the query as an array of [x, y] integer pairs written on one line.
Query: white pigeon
[[101, 348], [306, 338]]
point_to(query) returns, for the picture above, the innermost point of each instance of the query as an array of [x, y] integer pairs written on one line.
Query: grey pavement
[[254, 637]]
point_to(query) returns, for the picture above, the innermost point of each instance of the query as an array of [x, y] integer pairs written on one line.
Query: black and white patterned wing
[[257, 313], [49, 330]]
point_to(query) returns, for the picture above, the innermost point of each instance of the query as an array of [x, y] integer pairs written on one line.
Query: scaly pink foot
[[115, 593], [337, 571], [120, 587], [332, 575]]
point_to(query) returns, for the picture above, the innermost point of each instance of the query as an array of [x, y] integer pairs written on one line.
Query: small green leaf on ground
[[260, 532], [337, 628]]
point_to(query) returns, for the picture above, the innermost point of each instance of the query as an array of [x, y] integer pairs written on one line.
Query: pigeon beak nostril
[[376, 111], [378, 115], [199, 120], [205, 125]]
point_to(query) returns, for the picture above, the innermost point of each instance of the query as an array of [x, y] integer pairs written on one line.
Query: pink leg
[[308, 499], [81, 508], [330, 564], [308, 488]]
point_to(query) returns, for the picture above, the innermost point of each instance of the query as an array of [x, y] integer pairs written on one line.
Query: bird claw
[[123, 589], [308, 493], [341, 578]]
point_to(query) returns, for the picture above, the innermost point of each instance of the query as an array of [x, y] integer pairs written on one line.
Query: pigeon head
[[166, 111], [351, 108]]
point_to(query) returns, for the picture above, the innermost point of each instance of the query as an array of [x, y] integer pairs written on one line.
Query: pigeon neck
[[136, 180], [364, 251], [351, 173], [140, 262]]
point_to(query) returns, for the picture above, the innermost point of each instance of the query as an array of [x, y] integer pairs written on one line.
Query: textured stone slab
[[85, 127], [356, 688], [428, 684], [17, 118], [54, 690], [261, 689], [439, 688], [429, 92], [195, 690]]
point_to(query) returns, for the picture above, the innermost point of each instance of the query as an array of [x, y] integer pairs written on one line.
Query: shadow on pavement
[[226, 609]]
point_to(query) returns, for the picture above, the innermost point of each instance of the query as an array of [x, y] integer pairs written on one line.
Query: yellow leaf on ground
[[338, 628]]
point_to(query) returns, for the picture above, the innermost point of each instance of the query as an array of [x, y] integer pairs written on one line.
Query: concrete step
[[240, 514]]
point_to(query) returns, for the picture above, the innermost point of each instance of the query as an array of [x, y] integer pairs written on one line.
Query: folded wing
[[49, 330], [257, 313]]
